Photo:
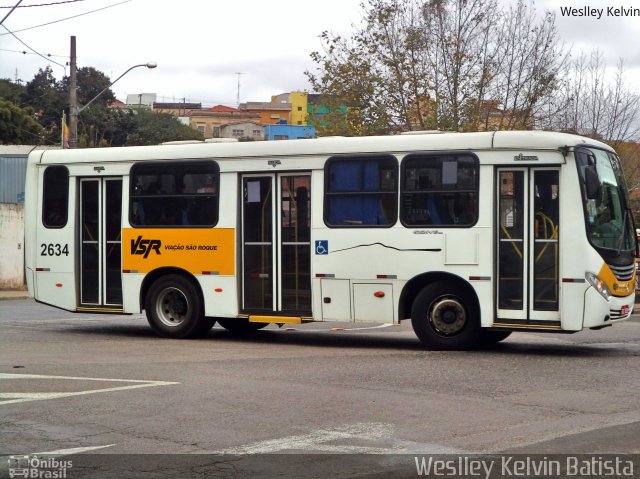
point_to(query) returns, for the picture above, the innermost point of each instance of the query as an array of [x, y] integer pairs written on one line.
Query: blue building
[[288, 132]]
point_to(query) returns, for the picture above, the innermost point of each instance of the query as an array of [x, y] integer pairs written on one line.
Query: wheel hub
[[172, 307], [447, 316]]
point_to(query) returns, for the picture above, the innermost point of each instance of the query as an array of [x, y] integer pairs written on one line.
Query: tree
[[598, 103], [425, 64], [17, 125], [529, 61], [151, 128], [10, 91], [90, 83], [461, 51], [45, 95], [103, 126], [96, 120]]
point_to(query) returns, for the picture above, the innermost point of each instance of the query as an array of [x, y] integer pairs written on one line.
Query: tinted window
[[174, 194], [361, 191], [439, 190], [55, 197]]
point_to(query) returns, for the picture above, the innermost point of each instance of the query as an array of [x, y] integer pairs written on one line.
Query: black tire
[[488, 337], [174, 308], [240, 326], [445, 317]]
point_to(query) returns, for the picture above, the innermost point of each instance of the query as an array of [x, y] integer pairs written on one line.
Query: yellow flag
[[65, 131]]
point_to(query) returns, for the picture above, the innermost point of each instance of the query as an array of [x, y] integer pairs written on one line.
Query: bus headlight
[[598, 284]]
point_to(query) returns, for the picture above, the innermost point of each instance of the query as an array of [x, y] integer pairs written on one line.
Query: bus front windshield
[[609, 221]]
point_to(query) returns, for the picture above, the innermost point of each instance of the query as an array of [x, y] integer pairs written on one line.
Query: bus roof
[[511, 140]]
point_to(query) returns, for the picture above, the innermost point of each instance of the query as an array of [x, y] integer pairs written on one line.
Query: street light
[[75, 111]]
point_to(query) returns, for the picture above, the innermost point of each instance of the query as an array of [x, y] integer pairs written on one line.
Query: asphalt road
[[105, 385]]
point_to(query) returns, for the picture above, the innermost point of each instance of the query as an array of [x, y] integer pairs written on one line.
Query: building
[[141, 100], [288, 132], [298, 101], [209, 121], [118, 105], [317, 109], [176, 109], [242, 129], [268, 112]]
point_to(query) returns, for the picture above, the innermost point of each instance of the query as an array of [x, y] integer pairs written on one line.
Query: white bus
[[469, 235]]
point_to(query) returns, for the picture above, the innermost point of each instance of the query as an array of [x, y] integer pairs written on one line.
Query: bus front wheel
[[174, 308], [444, 317]]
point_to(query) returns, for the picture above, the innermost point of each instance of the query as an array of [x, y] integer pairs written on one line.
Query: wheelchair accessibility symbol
[[322, 247]]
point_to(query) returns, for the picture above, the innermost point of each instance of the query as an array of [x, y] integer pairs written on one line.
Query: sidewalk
[[14, 294]]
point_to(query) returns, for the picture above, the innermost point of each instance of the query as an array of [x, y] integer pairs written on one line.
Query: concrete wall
[[11, 246]]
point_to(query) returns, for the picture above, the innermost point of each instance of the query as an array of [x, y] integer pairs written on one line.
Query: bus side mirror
[[591, 182]]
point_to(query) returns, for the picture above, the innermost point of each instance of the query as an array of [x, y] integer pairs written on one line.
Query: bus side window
[[439, 190], [174, 194], [361, 191], [55, 198]]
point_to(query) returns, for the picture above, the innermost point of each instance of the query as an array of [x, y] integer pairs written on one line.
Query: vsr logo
[[144, 247]]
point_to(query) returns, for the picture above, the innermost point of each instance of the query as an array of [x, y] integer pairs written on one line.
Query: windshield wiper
[[624, 230]]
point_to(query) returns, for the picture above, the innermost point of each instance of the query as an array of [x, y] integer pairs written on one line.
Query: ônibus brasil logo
[[144, 246]]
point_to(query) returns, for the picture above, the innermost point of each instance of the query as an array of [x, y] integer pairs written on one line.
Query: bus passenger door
[[100, 240], [276, 243], [528, 247]]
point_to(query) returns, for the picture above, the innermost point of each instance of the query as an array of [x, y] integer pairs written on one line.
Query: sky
[[201, 45]]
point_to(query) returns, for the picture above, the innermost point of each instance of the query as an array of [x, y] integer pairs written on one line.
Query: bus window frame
[[452, 154], [173, 162], [44, 198], [367, 156]]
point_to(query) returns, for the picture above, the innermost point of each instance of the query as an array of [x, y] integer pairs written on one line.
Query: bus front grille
[[623, 273]]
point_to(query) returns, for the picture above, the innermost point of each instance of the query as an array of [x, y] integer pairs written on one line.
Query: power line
[[67, 18], [37, 53], [46, 4], [10, 11], [24, 52]]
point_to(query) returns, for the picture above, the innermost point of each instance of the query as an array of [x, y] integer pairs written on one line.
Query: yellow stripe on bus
[[275, 319]]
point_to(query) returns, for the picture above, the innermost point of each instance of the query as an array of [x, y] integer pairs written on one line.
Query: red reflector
[[58, 285], [218, 290], [379, 294]]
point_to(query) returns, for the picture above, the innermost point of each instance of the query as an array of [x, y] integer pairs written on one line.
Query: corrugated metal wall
[[13, 171]]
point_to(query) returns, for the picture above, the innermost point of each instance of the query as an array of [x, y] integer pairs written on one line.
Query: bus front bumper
[[599, 312]]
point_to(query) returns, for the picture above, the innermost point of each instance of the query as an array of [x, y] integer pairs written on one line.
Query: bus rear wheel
[[174, 308], [444, 317], [240, 326]]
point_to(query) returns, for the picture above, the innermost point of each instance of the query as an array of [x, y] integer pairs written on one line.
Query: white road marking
[[318, 440], [385, 325], [12, 398], [68, 452], [340, 440]]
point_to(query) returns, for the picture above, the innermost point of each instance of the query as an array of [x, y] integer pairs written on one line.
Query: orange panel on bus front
[[199, 251]]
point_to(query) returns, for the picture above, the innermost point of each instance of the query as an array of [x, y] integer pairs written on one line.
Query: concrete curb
[[13, 294]]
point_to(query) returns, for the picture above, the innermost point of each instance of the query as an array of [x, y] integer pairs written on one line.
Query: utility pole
[[73, 97]]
